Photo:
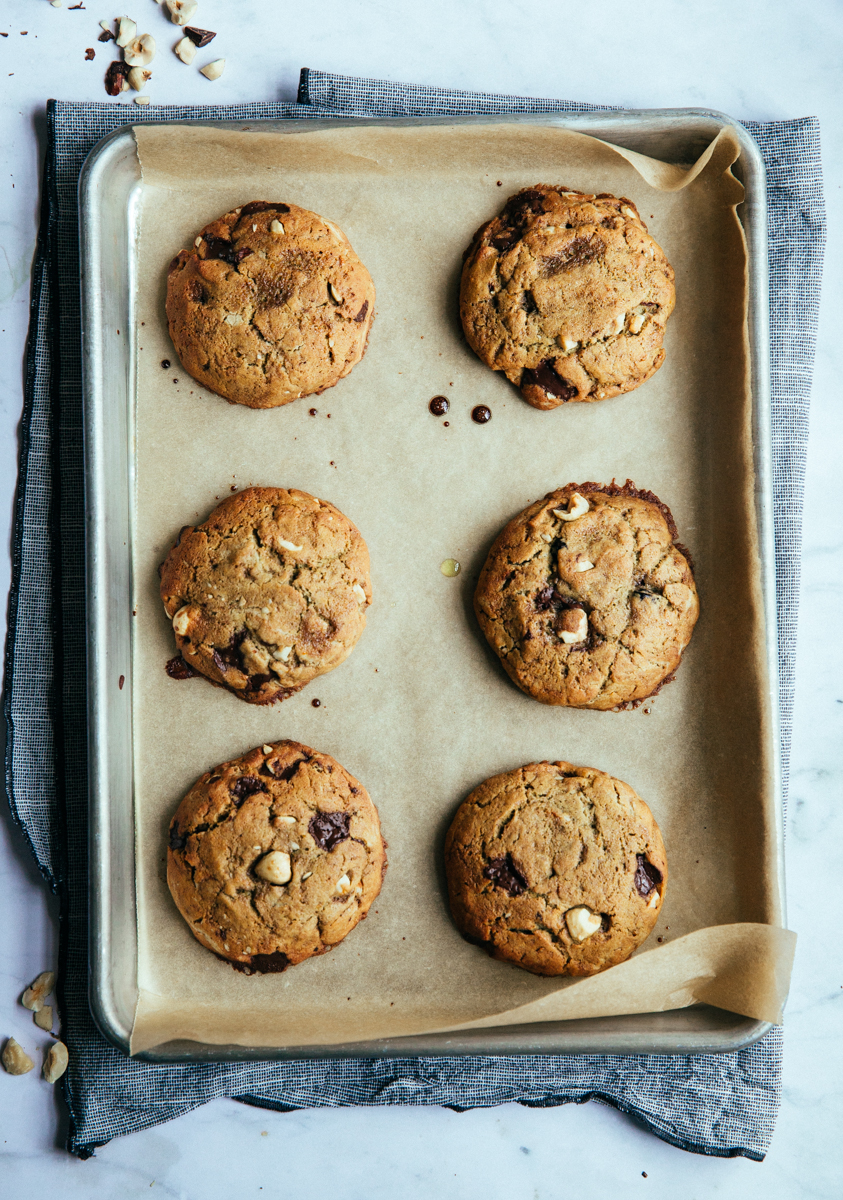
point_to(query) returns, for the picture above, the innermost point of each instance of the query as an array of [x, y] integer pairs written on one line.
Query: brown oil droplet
[[314, 411], [481, 414], [439, 405], [450, 567], [446, 423], [165, 363], [316, 703], [121, 681]]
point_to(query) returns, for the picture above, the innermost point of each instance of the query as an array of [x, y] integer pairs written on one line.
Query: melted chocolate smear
[[361, 316], [519, 207], [260, 964], [647, 877], [549, 599], [514, 217], [246, 786], [504, 240], [258, 206], [177, 668], [578, 252], [176, 841], [225, 251], [230, 655], [289, 771], [504, 874], [439, 405], [256, 682], [544, 376], [328, 829], [219, 248]]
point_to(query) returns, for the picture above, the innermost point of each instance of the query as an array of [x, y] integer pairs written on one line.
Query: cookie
[[268, 593], [558, 869], [270, 303], [275, 856], [587, 598], [568, 295]]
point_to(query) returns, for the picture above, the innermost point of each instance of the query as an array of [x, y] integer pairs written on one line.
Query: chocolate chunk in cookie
[[246, 871], [270, 303], [568, 295], [587, 598], [544, 868], [268, 593]]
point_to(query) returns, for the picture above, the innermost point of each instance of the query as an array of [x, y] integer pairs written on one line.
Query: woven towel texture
[[721, 1105]]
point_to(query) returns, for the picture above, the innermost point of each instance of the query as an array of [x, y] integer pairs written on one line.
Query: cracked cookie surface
[[275, 856], [589, 611], [270, 304], [568, 295], [557, 869], [268, 593]]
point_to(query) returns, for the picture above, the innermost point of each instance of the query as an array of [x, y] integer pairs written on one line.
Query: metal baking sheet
[[109, 196]]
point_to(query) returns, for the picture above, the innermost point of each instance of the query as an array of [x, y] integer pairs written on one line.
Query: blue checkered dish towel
[[712, 1104]]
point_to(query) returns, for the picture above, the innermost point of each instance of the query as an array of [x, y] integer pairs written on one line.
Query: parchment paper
[[421, 712]]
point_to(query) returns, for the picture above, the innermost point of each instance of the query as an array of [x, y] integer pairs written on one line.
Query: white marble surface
[[767, 59]]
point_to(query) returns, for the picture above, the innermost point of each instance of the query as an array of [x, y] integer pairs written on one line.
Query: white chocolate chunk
[[359, 593], [274, 867], [343, 885], [582, 922], [578, 506], [289, 545], [580, 631], [653, 902], [583, 565], [233, 319], [181, 621], [286, 820], [276, 227]]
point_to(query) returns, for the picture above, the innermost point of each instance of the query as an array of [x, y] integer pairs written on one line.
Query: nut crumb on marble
[[38, 991], [55, 1062], [15, 1059]]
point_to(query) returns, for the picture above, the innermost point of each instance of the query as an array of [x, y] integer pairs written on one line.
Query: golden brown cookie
[[587, 598], [568, 295], [269, 304], [275, 857], [268, 593], [558, 869]]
